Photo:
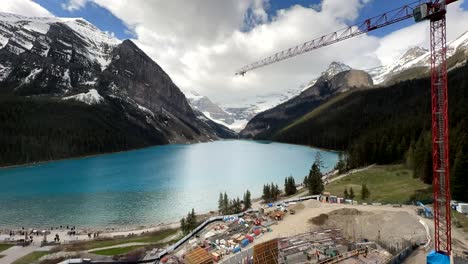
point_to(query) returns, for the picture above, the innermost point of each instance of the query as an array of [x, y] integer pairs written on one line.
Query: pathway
[[119, 246], [16, 252], [328, 181]]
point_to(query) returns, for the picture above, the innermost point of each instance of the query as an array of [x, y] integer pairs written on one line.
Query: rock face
[[64, 59], [209, 109], [267, 123]]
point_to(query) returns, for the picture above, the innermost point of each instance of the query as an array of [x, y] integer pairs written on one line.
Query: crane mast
[[434, 11], [440, 129]]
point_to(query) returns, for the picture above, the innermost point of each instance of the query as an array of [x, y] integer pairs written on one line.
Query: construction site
[[309, 231]]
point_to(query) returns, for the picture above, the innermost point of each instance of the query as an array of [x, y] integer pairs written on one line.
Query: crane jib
[[435, 12], [385, 19]]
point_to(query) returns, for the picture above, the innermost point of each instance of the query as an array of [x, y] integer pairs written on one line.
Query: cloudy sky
[[201, 43]]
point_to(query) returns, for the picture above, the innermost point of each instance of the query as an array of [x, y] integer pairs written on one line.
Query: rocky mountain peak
[[412, 54], [334, 68], [70, 59]]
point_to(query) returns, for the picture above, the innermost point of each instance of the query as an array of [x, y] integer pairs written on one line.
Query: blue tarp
[[270, 205], [437, 258]]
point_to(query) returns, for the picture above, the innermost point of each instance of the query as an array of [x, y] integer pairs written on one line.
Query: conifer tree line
[[313, 181], [228, 206], [271, 192], [392, 125], [365, 193], [342, 165], [348, 194], [189, 223], [290, 186]]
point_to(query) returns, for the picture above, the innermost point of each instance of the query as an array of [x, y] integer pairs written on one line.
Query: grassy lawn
[[115, 251], [31, 258], [460, 221], [154, 237], [387, 184], [4, 247]]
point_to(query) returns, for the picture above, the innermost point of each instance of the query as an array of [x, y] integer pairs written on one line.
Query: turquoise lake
[[147, 186]]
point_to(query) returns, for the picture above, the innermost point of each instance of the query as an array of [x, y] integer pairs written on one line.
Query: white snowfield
[[419, 58], [90, 98], [22, 29]]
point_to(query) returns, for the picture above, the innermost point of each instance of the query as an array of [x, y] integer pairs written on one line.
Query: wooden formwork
[[266, 252], [198, 256]]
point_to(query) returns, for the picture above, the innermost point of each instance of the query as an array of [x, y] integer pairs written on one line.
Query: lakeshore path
[[16, 252]]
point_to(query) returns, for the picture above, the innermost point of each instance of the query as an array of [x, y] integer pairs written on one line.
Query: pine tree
[[306, 181], [318, 159], [293, 185], [409, 157], [289, 186], [225, 204], [183, 225], [247, 200], [237, 205], [315, 180], [351, 193], [277, 192], [345, 193], [221, 203], [459, 184], [266, 193], [340, 165], [365, 193]]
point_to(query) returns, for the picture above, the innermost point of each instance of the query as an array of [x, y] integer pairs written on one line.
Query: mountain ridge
[[330, 83], [70, 60]]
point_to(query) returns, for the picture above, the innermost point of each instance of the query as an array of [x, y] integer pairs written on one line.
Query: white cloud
[[396, 43], [23, 7], [73, 5], [201, 44]]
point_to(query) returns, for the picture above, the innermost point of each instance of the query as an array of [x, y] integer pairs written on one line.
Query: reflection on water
[[148, 186]]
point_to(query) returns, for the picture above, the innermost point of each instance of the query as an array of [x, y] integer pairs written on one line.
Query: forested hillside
[[390, 125], [45, 129]]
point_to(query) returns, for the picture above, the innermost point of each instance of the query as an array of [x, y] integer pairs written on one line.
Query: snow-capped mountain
[[236, 115], [69, 59], [214, 111], [418, 57], [338, 78], [333, 69]]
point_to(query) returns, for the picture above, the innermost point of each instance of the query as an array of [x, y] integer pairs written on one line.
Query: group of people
[[95, 235]]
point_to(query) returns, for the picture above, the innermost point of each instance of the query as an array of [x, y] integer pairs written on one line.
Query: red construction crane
[[434, 11]]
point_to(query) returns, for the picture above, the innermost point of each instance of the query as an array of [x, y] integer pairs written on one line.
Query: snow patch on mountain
[[22, 32], [31, 76], [4, 72], [237, 125], [90, 98], [414, 57], [333, 69], [146, 110]]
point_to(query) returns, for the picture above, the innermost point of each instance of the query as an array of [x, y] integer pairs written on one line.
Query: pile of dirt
[[319, 220], [346, 211], [377, 225], [297, 207]]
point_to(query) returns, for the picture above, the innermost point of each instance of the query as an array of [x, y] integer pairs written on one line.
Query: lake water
[[147, 186]]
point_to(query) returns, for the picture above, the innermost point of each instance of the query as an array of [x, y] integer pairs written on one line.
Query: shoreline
[[97, 155], [127, 229], [137, 149]]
